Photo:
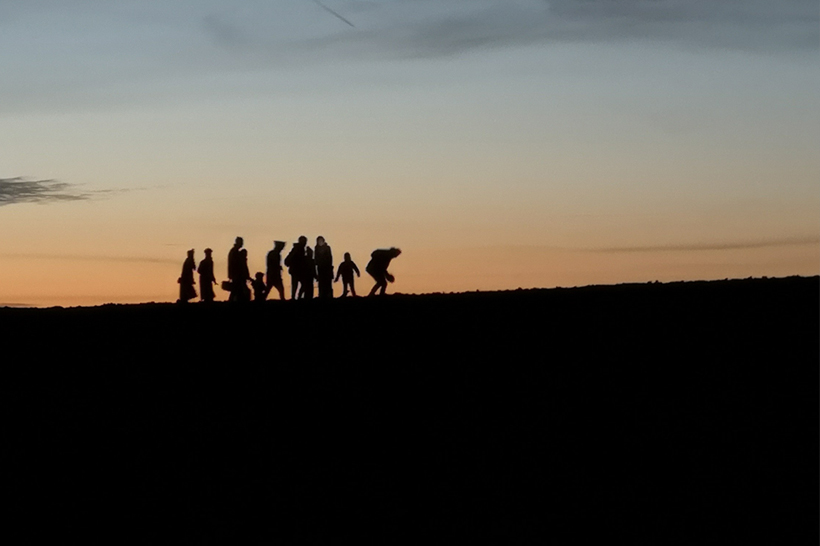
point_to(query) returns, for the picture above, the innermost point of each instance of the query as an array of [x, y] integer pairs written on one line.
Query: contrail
[[327, 9]]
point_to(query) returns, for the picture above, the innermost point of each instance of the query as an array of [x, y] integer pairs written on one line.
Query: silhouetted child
[[260, 291], [346, 269]]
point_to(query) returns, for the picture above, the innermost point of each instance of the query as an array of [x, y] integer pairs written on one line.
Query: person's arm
[[338, 273], [356, 269]]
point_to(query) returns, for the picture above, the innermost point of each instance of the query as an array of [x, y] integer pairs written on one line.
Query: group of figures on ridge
[[306, 267]]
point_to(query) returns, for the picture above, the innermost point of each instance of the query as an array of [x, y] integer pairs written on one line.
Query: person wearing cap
[[206, 277], [274, 269]]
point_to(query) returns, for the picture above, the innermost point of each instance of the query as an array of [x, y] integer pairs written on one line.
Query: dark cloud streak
[[747, 245], [20, 190], [448, 27], [334, 13]]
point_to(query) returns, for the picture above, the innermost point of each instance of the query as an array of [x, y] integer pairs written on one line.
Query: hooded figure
[[186, 279]]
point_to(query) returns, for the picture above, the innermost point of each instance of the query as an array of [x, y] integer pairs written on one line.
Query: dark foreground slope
[[680, 413]]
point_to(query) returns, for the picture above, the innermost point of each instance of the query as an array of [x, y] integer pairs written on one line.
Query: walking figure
[[243, 293], [324, 268], [274, 269], [235, 274], [379, 262], [346, 269], [186, 280], [295, 261], [206, 277]]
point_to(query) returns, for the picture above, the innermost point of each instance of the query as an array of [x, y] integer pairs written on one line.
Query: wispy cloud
[[88, 258], [437, 28], [21, 190], [93, 52], [742, 245]]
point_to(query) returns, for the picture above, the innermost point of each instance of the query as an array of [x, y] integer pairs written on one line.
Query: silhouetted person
[[260, 291], [308, 275], [346, 269], [379, 262], [324, 268], [295, 261], [186, 279], [274, 269], [206, 277], [234, 268], [243, 293]]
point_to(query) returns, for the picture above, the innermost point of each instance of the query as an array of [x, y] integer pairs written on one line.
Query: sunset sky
[[498, 143]]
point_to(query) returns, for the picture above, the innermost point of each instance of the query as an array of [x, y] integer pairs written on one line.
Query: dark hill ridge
[[672, 413]]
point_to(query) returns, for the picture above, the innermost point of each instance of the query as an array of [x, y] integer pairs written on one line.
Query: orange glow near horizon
[[42, 281]]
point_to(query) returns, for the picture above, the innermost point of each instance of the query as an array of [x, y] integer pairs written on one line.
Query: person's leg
[[294, 286], [327, 282], [353, 286], [280, 287], [381, 282]]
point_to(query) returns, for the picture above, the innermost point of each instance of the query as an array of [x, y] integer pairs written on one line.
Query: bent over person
[[379, 262]]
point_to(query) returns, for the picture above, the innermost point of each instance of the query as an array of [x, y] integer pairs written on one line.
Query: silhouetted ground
[[682, 413]]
